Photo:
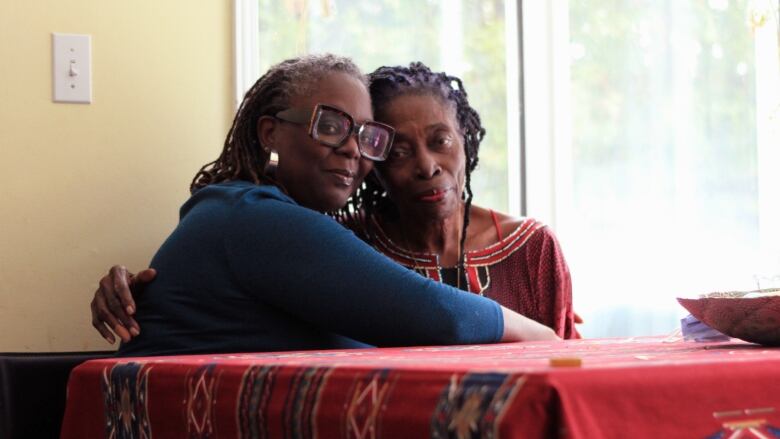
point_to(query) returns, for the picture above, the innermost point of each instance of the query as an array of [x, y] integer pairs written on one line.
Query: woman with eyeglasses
[[255, 264]]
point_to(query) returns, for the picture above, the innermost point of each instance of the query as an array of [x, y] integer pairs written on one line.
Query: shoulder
[[247, 205], [237, 190], [530, 235], [250, 192], [493, 227], [266, 218], [234, 197], [511, 225]]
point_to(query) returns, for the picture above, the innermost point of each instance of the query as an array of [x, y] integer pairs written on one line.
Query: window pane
[[665, 181], [463, 38]]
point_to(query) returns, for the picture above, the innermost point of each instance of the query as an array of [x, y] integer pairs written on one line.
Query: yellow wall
[[83, 187]]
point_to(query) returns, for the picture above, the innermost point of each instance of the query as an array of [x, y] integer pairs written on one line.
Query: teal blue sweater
[[248, 270]]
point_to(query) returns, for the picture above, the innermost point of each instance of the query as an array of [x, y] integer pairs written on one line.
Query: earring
[[273, 161], [273, 157]]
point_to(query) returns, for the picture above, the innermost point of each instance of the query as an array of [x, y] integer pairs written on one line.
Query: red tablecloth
[[625, 388]]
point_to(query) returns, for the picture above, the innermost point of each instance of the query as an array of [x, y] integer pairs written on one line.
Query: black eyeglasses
[[332, 127]]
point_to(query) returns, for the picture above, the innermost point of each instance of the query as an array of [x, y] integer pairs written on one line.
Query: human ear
[[267, 132]]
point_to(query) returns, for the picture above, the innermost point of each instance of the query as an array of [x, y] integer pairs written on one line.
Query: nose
[[427, 166], [349, 148]]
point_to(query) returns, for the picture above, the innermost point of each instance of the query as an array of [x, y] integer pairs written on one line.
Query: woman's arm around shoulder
[[308, 265]]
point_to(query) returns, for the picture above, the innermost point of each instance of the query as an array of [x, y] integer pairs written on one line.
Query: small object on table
[[565, 362], [694, 329]]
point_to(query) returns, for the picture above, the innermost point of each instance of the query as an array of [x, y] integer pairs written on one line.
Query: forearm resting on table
[[520, 328]]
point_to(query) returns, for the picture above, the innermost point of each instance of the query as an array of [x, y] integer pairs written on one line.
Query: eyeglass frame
[[298, 116]]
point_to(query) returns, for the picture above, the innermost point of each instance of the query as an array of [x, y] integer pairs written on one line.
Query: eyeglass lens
[[374, 140], [332, 128]]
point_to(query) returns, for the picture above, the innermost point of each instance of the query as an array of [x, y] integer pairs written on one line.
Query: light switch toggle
[[73, 71]]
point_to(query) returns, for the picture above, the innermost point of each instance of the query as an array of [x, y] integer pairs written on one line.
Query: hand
[[520, 328], [113, 304]]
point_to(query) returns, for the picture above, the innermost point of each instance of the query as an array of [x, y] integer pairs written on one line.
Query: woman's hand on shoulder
[[113, 304]]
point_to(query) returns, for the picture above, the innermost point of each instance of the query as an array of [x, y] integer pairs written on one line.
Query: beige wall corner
[[83, 187]]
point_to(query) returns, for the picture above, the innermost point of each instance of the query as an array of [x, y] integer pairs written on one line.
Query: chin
[[436, 211], [334, 202]]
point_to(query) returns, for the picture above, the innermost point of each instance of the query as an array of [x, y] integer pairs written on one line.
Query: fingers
[[144, 276], [102, 320], [104, 332], [101, 328], [549, 334], [108, 293], [120, 282], [577, 318], [108, 300]]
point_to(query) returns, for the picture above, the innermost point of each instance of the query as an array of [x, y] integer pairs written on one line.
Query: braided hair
[[243, 157], [389, 83]]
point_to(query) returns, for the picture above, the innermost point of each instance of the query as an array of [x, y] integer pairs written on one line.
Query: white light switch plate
[[71, 68]]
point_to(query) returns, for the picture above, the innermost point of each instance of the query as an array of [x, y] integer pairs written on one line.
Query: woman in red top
[[416, 206]]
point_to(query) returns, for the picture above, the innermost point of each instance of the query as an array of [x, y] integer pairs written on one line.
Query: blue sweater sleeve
[[306, 264]]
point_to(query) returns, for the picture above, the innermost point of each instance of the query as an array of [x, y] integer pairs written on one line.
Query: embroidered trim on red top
[[477, 262], [487, 256]]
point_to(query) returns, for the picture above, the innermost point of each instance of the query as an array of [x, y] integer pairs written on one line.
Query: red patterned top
[[524, 271]]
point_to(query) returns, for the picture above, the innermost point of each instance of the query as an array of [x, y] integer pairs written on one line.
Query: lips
[[343, 177], [432, 195]]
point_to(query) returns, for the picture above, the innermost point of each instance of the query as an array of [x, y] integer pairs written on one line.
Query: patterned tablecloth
[[624, 388]]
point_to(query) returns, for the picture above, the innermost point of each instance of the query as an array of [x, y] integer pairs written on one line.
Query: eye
[[443, 140], [398, 152], [329, 127]]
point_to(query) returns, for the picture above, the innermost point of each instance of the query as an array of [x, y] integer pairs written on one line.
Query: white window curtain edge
[[546, 108], [246, 45]]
